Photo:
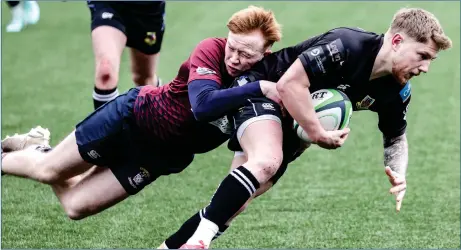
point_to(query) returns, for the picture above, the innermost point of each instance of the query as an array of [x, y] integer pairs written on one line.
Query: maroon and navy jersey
[[165, 112]]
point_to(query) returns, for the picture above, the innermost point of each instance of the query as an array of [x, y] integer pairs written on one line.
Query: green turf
[[327, 199]]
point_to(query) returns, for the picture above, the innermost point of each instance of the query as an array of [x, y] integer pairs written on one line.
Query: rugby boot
[[31, 12], [37, 136], [17, 22]]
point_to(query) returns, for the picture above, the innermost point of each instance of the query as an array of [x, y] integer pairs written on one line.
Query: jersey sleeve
[[205, 62], [324, 57], [393, 116]]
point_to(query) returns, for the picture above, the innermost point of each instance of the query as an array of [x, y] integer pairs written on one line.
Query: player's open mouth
[[232, 69]]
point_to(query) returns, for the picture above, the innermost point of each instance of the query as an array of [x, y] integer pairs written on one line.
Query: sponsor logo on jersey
[[405, 112], [405, 93], [365, 103], [205, 71], [343, 87], [316, 58], [335, 49]]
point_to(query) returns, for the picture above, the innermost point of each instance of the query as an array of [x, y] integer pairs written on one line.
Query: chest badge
[[365, 103]]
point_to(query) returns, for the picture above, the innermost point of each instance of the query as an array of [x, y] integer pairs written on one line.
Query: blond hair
[[256, 18], [420, 25]]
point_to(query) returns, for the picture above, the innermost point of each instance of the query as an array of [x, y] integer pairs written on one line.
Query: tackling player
[[373, 70], [139, 25], [149, 131]]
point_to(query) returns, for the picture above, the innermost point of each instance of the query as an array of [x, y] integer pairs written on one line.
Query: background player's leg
[[144, 68], [32, 12], [17, 16], [97, 190], [108, 45], [262, 142], [22, 14]]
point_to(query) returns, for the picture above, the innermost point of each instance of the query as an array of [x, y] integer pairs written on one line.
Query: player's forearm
[[209, 102], [297, 100], [396, 153]]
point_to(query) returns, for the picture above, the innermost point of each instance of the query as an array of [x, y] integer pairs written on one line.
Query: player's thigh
[[259, 128], [64, 161], [262, 137], [107, 32], [96, 192]]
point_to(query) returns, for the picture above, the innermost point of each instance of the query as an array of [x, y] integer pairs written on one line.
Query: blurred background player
[[22, 14], [139, 25]]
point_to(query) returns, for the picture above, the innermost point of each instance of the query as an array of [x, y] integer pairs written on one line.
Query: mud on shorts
[[142, 23], [257, 109], [109, 138]]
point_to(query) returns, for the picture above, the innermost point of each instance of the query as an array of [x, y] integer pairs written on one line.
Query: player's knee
[[47, 173], [75, 209], [264, 167], [106, 75], [74, 213], [141, 79]]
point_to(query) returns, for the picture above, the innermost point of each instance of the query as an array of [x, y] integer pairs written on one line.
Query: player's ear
[[397, 40], [268, 51]]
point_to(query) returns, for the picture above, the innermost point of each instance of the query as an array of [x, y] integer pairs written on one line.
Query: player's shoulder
[[350, 38]]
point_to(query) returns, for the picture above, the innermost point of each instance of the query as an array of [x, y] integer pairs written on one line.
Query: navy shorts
[[110, 138], [257, 109], [141, 22]]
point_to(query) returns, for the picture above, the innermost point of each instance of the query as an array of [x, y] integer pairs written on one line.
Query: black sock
[[180, 237], [100, 97], [232, 194], [12, 4]]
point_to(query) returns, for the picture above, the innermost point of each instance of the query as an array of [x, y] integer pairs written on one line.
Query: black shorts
[[257, 109], [141, 22], [109, 138]]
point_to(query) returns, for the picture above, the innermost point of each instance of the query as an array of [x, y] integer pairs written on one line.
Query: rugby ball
[[333, 108]]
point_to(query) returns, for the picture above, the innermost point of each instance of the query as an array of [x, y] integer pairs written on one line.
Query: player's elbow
[[201, 113], [280, 86]]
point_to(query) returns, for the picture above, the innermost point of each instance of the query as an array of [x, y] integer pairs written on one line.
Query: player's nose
[[234, 59], [424, 67]]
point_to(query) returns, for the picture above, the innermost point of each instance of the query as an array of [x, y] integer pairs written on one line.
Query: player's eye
[[246, 55], [424, 56]]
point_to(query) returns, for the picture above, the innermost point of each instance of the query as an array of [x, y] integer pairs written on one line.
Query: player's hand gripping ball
[[334, 110]]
